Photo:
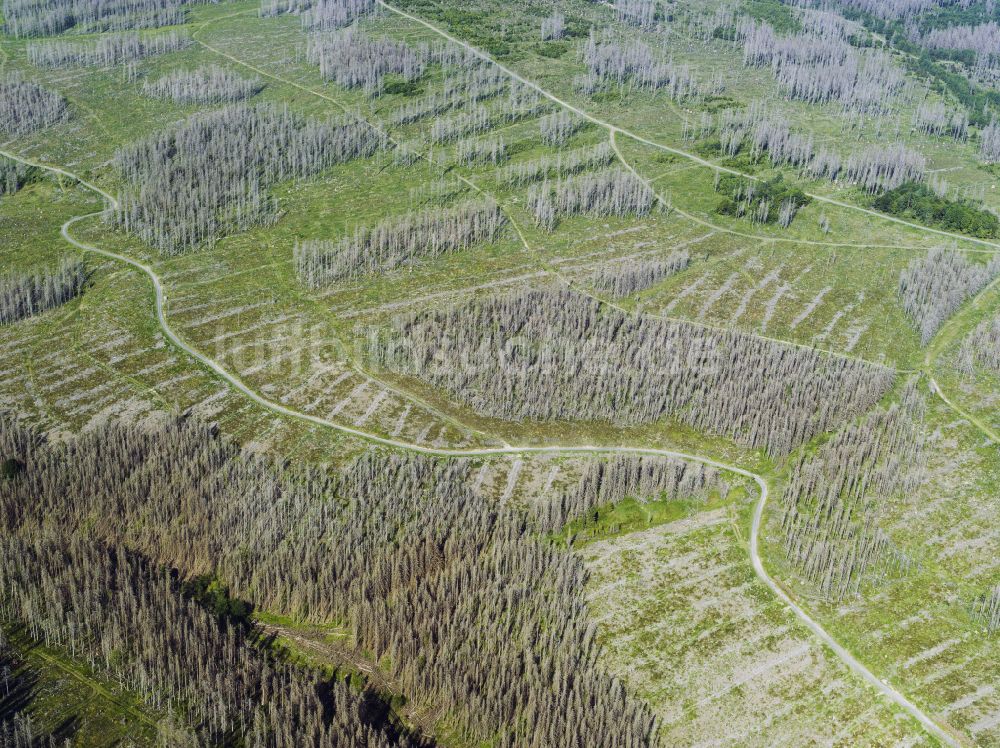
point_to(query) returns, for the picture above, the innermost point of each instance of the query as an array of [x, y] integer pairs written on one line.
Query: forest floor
[[68, 699]]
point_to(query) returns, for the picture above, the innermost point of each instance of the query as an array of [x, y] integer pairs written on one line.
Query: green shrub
[[212, 595], [781, 17], [916, 201], [745, 197], [10, 468], [399, 86], [553, 50]]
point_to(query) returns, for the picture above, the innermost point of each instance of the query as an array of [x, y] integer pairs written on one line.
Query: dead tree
[[558, 127], [934, 118], [553, 27], [563, 164], [981, 347], [989, 143], [26, 107], [354, 60], [987, 610], [626, 277], [209, 84], [24, 296], [395, 242], [632, 64], [336, 14], [933, 287], [819, 65], [136, 624], [880, 168], [641, 13], [480, 151]]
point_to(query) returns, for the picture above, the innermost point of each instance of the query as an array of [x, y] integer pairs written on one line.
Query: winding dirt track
[[237, 384]]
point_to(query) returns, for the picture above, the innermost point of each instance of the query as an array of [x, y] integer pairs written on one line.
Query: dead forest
[[194, 183], [554, 354], [702, 270], [835, 497], [398, 241], [933, 287], [23, 296], [613, 192], [315, 547], [26, 107], [981, 348]]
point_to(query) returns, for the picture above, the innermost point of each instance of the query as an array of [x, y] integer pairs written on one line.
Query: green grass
[[70, 701], [633, 514], [780, 16]]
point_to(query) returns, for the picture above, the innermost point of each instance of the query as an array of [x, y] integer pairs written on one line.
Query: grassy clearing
[[30, 222], [688, 626], [72, 703], [635, 514]]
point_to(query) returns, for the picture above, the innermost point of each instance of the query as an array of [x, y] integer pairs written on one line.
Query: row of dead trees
[[558, 166], [107, 51], [395, 242], [612, 192], [620, 278], [25, 18], [208, 84]]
